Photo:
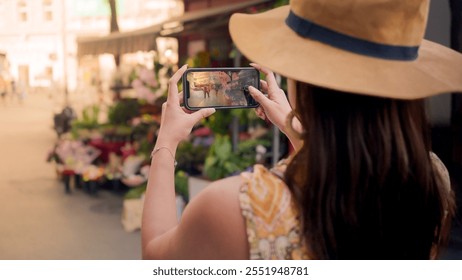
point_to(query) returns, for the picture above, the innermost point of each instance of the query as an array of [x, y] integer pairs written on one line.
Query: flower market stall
[[113, 153]]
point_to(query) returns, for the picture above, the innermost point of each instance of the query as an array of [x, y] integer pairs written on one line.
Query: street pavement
[[37, 219]]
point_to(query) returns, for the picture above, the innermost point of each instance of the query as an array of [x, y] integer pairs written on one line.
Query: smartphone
[[220, 88]]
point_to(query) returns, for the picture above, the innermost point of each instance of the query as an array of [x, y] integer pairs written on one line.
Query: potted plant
[[222, 162]]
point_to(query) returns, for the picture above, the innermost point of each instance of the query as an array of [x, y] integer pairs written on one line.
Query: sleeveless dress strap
[[272, 224]]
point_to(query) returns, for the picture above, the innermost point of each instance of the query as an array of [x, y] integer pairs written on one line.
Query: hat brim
[[265, 39]]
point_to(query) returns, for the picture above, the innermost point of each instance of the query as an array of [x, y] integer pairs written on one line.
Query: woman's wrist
[[165, 140], [164, 149], [170, 146]]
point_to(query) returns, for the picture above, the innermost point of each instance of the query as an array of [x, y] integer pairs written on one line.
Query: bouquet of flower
[[74, 155]]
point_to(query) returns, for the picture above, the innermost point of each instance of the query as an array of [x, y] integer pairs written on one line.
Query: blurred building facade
[[38, 37]]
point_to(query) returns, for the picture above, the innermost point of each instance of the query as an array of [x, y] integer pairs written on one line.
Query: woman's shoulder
[[213, 222]]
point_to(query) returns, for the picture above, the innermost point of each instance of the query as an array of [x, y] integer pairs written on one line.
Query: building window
[[47, 10], [22, 11]]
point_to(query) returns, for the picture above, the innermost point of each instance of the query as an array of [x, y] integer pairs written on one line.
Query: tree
[[114, 23], [114, 27]]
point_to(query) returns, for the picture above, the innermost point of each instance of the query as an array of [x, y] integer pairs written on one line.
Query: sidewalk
[[38, 220]]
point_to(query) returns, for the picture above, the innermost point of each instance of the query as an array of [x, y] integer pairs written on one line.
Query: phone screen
[[220, 88]]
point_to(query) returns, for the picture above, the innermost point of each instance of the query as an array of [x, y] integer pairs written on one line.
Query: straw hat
[[368, 47]]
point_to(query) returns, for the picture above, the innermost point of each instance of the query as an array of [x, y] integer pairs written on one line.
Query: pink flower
[[137, 84], [145, 85], [136, 121], [143, 92], [151, 97], [148, 77]]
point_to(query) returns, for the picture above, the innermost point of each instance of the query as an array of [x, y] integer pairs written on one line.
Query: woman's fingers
[[272, 84], [260, 112], [259, 97], [264, 85], [202, 114], [173, 85]]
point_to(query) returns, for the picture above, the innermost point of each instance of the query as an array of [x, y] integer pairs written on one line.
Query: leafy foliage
[[181, 184], [135, 193], [279, 3], [190, 157], [89, 118], [221, 161], [219, 121], [123, 111]]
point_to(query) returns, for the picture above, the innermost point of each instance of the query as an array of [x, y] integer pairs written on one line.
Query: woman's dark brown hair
[[364, 181]]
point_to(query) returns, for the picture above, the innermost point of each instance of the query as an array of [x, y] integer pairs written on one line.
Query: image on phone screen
[[220, 88]]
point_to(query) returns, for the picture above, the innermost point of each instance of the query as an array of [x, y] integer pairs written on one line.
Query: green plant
[[247, 117], [221, 161], [123, 130], [115, 132], [145, 148], [88, 121], [219, 122], [181, 187], [191, 157], [135, 193], [247, 149], [123, 111], [201, 59], [279, 3], [89, 118], [181, 184]]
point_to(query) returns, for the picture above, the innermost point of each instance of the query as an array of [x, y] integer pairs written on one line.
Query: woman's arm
[[159, 213], [275, 106]]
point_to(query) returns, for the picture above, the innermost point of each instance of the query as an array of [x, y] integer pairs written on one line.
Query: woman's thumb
[[258, 96], [203, 113]]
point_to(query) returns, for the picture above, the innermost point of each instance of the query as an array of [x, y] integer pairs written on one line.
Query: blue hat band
[[310, 30]]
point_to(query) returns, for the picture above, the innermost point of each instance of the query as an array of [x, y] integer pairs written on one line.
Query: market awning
[[144, 39]]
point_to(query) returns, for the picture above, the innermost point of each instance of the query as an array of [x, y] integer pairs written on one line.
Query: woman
[[363, 182]]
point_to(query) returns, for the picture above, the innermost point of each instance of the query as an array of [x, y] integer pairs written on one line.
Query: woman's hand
[[177, 122], [275, 107]]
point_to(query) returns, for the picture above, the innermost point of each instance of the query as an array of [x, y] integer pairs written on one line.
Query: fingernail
[[211, 111]]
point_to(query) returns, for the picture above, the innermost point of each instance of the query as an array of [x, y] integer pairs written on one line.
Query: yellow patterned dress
[[272, 224]]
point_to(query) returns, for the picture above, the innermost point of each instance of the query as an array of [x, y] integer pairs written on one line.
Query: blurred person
[[3, 88], [13, 86], [363, 182], [17, 91], [21, 90]]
